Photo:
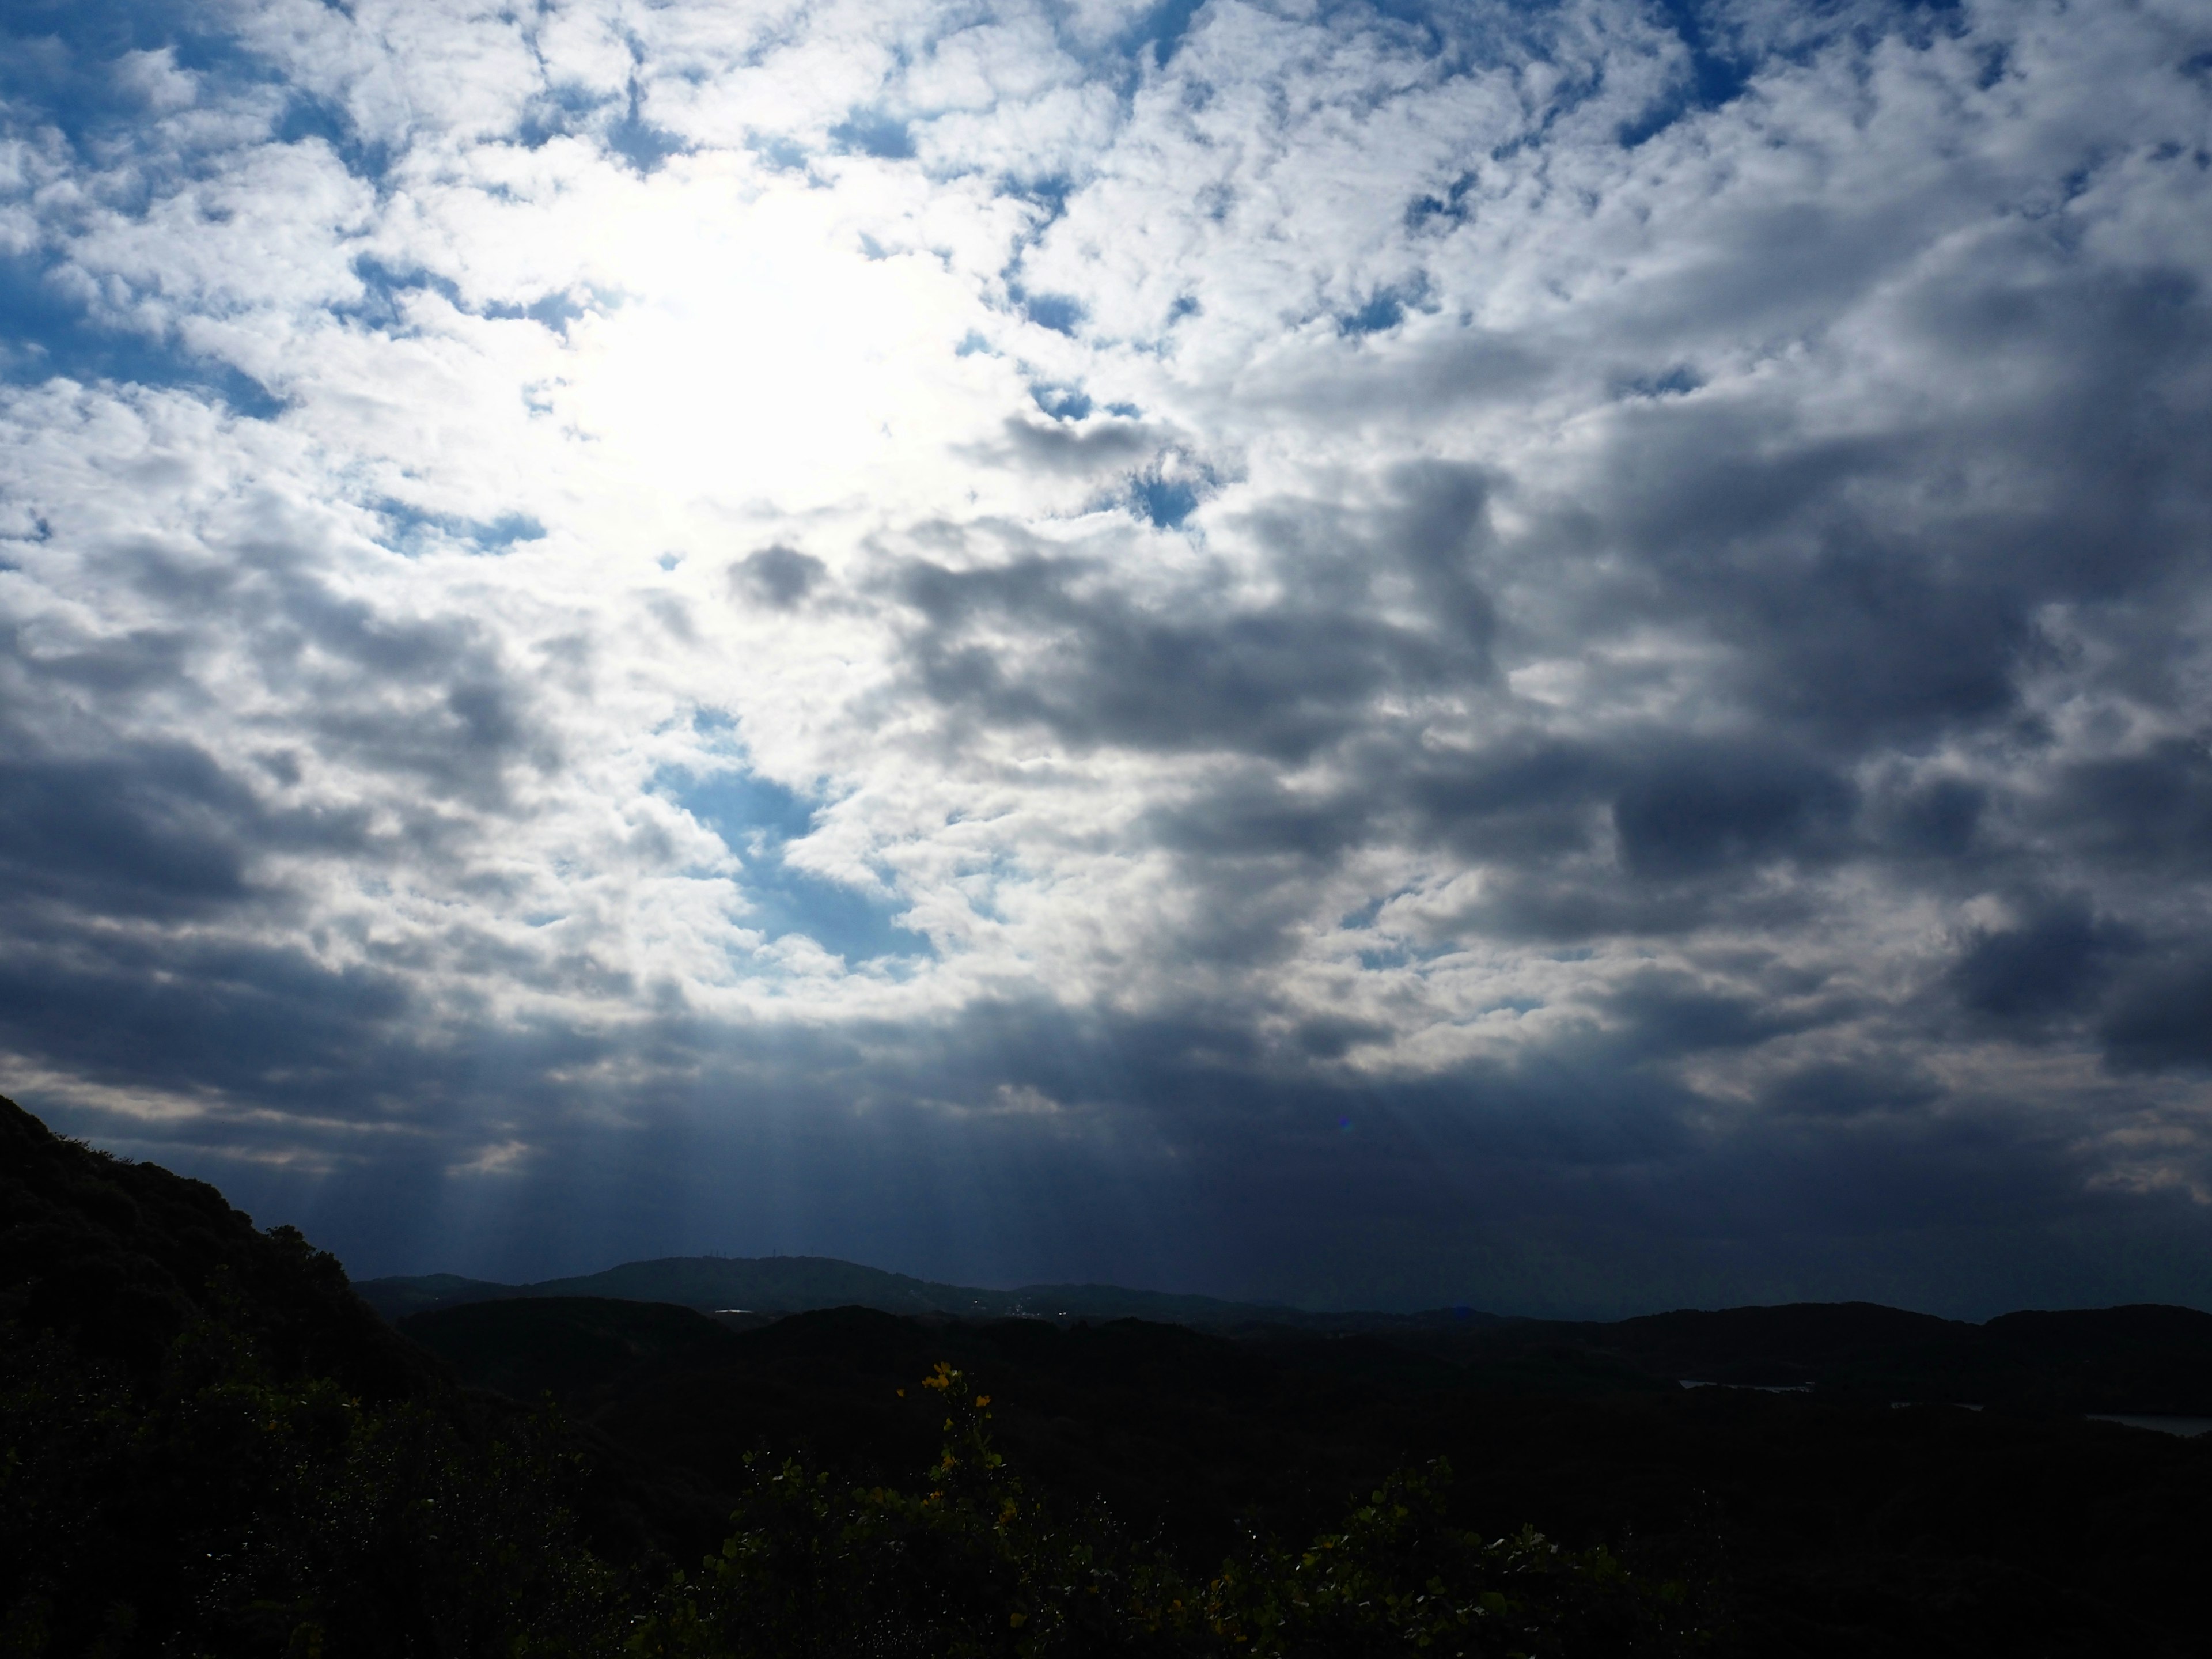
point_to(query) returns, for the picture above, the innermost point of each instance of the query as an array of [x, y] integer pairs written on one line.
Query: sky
[[1555, 656]]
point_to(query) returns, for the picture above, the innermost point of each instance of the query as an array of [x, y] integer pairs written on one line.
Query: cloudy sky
[[1555, 655]]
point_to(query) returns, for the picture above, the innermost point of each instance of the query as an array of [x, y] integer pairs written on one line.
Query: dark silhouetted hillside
[[209, 1445], [116, 1260], [572, 1347]]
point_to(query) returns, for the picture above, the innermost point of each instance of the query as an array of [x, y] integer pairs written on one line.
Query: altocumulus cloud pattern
[[1546, 654]]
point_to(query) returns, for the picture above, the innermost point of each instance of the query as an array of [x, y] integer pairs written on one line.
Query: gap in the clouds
[[1060, 312], [1677, 382], [552, 312], [1363, 916], [43, 336], [1718, 76], [81, 95], [307, 116], [415, 531], [1049, 192], [1165, 494], [1403, 953], [757, 818], [1162, 29], [385, 286], [638, 141], [381, 287], [1450, 206], [1062, 402], [1419, 21], [780, 153], [874, 131], [1385, 308], [1164, 503], [562, 110]]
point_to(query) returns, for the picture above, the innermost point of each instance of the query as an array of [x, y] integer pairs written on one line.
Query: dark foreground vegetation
[[210, 1446]]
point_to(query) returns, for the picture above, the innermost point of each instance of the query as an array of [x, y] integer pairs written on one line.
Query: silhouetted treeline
[[209, 1446], [2145, 1359]]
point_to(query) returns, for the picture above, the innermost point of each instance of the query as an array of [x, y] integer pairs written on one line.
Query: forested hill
[[116, 1260], [209, 1445], [806, 1284], [2146, 1359]]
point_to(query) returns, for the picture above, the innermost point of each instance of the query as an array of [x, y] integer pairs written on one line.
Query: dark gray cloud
[[778, 576]]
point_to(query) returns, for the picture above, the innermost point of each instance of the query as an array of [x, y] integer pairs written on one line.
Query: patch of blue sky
[[44, 333], [874, 131], [306, 116], [1364, 916], [384, 289], [1382, 313], [1402, 953], [1160, 29], [552, 311], [1163, 503], [638, 141], [62, 64], [1677, 382], [1046, 192], [1385, 308], [1569, 92], [758, 819], [562, 110], [412, 532], [1060, 312], [60, 60], [1717, 75], [781, 151], [751, 813], [1428, 29], [1451, 207], [1166, 494], [1062, 402], [383, 286]]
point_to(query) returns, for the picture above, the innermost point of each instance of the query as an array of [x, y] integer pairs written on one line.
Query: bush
[[973, 1564]]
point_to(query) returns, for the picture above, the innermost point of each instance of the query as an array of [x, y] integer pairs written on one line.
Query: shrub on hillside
[[972, 1562]]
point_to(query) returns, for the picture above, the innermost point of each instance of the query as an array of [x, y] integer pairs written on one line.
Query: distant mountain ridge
[[2144, 1358], [807, 1284]]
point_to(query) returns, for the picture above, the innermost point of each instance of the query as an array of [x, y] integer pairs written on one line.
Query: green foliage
[[219, 1511], [1399, 1579], [973, 1564]]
